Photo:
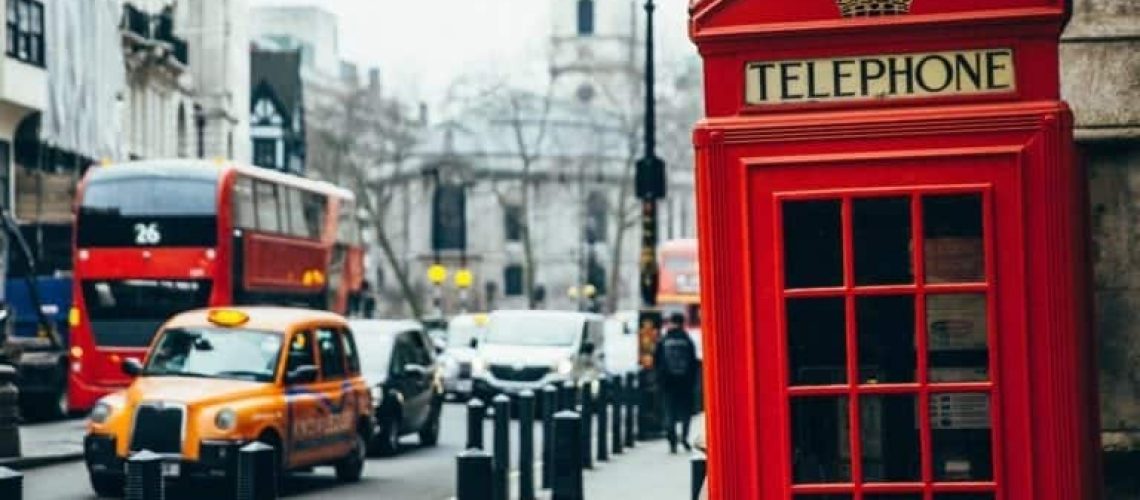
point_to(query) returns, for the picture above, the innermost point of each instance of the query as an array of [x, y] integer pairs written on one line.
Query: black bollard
[[698, 464], [502, 448], [617, 394], [144, 477], [473, 471], [257, 472], [476, 411], [568, 399], [549, 404], [587, 426], [630, 408], [11, 484], [9, 413], [526, 445], [568, 461], [603, 411]]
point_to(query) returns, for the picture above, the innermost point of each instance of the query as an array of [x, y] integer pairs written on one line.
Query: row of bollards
[[568, 414], [256, 475]]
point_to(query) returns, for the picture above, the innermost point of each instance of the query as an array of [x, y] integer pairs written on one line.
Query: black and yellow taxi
[[217, 379]]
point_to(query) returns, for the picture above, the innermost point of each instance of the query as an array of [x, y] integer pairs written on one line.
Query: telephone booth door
[[889, 351]]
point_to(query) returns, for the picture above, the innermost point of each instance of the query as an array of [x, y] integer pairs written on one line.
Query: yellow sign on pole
[[464, 278], [437, 274]]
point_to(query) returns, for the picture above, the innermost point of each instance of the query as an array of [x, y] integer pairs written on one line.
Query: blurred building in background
[[277, 112], [218, 33]]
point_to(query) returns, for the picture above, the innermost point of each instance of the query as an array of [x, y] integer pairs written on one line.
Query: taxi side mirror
[[131, 366], [303, 374]]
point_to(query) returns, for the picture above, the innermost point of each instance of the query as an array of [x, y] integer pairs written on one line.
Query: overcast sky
[[421, 46]]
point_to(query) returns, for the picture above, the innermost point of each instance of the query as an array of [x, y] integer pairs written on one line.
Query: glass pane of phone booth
[[889, 332]]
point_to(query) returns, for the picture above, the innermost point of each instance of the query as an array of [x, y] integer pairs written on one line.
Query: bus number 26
[[147, 234]]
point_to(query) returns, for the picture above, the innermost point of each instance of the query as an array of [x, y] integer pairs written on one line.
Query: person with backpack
[[675, 364]]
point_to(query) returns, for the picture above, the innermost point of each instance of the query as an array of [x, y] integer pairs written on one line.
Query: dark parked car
[[398, 361]]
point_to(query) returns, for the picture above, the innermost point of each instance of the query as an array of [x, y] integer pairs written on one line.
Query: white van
[[529, 349]]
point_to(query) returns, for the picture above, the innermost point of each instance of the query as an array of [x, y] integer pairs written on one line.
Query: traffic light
[[649, 178]]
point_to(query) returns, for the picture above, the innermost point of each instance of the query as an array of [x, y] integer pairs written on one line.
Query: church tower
[[594, 51]]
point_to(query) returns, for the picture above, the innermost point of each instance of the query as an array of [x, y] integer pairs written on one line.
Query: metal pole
[[502, 449], [651, 187], [526, 445], [603, 420], [549, 407], [568, 460], [11, 484], [618, 395], [630, 408], [473, 470], [257, 472], [587, 426], [144, 477], [476, 411]]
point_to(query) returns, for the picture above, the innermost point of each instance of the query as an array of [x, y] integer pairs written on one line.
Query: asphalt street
[[417, 473]]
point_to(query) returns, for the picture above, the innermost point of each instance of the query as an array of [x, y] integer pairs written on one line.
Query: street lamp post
[[650, 187], [437, 274]]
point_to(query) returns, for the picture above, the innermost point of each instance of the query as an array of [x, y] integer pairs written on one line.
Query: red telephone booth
[[892, 234]]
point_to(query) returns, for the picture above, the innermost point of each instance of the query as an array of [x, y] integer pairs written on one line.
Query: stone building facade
[[1100, 56]]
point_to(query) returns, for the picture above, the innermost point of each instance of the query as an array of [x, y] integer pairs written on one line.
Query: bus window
[[297, 224], [268, 215], [348, 229], [245, 215], [314, 207]]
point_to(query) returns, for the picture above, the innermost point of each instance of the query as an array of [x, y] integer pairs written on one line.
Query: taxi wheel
[[351, 467], [107, 486]]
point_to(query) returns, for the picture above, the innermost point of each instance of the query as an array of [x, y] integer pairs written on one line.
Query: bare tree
[[358, 140], [525, 118]]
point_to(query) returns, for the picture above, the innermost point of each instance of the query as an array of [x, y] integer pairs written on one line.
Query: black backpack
[[676, 356]]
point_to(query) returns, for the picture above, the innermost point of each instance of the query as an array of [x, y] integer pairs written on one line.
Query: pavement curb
[[25, 463]]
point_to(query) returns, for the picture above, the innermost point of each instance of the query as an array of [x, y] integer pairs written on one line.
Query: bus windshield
[[147, 210], [126, 313], [215, 353]]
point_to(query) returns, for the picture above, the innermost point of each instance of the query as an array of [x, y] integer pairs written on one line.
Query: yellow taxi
[[217, 379]]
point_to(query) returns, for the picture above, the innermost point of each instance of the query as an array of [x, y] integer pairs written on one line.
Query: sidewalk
[[646, 471], [48, 443]]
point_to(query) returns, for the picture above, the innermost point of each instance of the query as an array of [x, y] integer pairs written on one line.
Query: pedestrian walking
[[675, 364]]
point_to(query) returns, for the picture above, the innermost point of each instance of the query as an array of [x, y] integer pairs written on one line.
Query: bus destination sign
[[880, 77]]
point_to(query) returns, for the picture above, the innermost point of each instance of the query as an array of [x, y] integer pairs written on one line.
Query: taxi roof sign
[[227, 317]]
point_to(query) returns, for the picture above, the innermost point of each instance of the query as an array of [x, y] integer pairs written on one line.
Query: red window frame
[[922, 388]]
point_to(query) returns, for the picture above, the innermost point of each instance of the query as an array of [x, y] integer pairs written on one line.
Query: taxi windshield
[[215, 353]]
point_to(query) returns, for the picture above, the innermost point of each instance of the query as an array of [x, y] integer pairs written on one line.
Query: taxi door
[[337, 402], [301, 402]]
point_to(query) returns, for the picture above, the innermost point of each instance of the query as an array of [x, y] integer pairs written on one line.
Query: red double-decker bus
[[159, 237], [678, 288]]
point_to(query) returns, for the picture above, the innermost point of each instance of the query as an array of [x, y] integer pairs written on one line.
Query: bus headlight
[[225, 420], [100, 412]]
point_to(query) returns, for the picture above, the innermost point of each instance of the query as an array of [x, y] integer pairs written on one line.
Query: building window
[[512, 222], [585, 17], [25, 20], [265, 153], [513, 280]]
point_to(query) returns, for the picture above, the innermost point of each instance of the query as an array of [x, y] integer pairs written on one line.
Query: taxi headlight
[[100, 412], [478, 367], [226, 419], [377, 396], [564, 367]]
